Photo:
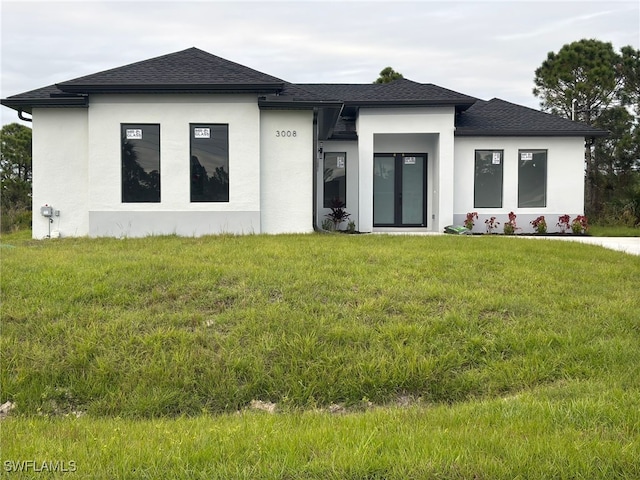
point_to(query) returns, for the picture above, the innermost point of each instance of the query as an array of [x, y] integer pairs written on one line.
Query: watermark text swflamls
[[35, 466]]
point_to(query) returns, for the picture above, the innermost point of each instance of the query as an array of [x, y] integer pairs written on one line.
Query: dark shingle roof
[[193, 70], [500, 118], [190, 69], [40, 93], [401, 91]]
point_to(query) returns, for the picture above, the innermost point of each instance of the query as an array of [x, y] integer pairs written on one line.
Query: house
[[193, 144]]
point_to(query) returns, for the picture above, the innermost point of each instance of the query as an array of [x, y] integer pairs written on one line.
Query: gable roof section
[[500, 118]]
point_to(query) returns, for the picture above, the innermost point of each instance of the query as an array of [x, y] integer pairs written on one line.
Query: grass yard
[[384, 357], [619, 231]]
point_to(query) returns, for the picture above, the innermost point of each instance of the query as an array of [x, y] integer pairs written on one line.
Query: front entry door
[[399, 190]]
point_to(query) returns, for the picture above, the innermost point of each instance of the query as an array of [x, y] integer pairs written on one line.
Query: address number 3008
[[286, 133]]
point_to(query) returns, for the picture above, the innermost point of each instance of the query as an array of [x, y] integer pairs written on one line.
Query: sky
[[479, 48]]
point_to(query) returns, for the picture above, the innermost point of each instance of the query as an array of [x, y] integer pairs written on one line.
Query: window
[[335, 178], [488, 179], [140, 163], [209, 155], [532, 178]]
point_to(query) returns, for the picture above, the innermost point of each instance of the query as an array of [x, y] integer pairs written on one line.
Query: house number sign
[[286, 133]]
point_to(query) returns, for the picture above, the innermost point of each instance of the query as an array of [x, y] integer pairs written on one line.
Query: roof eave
[[289, 104], [530, 133], [409, 103], [344, 136], [173, 88], [27, 104]]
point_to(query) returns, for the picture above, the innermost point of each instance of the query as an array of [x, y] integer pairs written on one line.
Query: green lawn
[[440, 357], [601, 231]]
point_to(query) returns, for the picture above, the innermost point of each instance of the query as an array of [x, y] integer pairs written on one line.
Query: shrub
[[620, 212], [539, 224], [468, 223], [15, 219], [510, 227], [327, 225], [580, 225]]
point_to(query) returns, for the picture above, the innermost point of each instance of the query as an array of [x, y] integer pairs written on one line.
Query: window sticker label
[[340, 162], [409, 160], [134, 134], [524, 156], [495, 160], [201, 133]]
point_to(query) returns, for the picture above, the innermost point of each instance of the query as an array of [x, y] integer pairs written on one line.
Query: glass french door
[[399, 189]]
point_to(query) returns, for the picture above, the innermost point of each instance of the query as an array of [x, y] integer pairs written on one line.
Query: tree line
[[15, 177], [589, 81]]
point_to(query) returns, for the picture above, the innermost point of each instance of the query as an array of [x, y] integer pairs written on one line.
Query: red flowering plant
[[580, 225], [563, 222], [510, 227], [468, 223], [539, 224], [491, 224]]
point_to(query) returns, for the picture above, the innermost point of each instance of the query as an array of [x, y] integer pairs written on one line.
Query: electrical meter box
[[46, 211]]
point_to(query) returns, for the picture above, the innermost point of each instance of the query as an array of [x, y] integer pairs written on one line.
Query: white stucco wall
[[60, 171], [565, 179], [351, 149], [438, 122], [77, 168], [175, 213], [286, 171]]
